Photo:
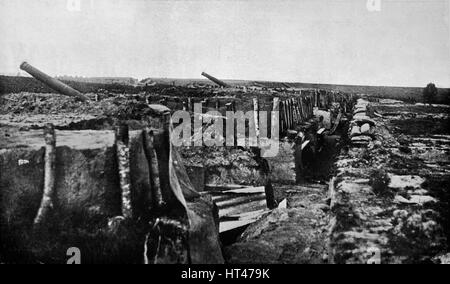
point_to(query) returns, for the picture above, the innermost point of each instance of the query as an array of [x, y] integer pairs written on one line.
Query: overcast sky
[[405, 43]]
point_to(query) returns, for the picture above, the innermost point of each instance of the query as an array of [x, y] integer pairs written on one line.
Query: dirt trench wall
[[87, 195], [383, 204]]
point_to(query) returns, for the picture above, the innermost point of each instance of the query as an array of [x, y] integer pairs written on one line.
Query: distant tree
[[430, 93]]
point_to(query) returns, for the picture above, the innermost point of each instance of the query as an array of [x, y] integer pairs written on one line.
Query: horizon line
[[24, 74]]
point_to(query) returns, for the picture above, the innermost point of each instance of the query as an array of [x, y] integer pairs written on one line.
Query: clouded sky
[[405, 43]]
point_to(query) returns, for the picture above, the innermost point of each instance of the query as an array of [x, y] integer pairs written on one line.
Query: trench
[[298, 233]]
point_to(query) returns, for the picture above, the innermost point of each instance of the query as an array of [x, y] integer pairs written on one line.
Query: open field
[[9, 84]]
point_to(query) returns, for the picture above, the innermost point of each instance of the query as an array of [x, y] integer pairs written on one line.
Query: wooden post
[[299, 109], [288, 119], [294, 105], [49, 175], [310, 105], [280, 113], [205, 106], [123, 161], [305, 105], [190, 105], [291, 103], [319, 99], [294, 111], [286, 114], [256, 119], [290, 113], [270, 196], [230, 134], [217, 105], [294, 120], [153, 165], [314, 94], [283, 117], [302, 107], [294, 114], [275, 116]]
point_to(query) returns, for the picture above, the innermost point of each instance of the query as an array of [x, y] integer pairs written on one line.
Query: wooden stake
[[229, 129], [190, 105], [123, 161], [49, 175], [153, 165], [275, 119], [217, 105], [270, 196], [256, 119]]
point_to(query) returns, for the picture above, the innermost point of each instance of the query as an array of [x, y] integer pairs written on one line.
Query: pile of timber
[[240, 205]]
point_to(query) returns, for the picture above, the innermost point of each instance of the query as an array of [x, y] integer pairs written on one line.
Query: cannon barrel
[[215, 80], [52, 82]]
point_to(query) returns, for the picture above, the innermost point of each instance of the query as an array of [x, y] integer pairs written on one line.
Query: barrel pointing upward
[[52, 82], [215, 80]]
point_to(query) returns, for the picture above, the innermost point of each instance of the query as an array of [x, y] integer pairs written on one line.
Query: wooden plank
[[246, 215], [258, 204], [233, 201], [231, 225], [222, 187], [246, 190], [304, 144]]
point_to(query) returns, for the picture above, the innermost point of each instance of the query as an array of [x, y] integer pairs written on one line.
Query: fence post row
[[291, 111]]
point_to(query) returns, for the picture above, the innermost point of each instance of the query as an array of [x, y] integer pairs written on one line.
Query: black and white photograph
[[234, 133]]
